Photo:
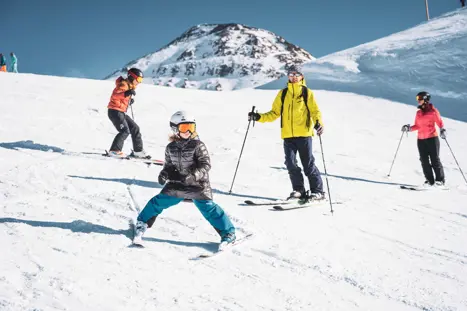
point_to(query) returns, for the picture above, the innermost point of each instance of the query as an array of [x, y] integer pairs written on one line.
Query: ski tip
[[407, 187], [136, 245]]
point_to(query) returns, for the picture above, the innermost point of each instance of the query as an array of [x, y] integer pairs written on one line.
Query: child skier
[[185, 176], [118, 105], [428, 142]]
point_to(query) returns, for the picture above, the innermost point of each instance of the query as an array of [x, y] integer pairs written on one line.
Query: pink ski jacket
[[425, 121]]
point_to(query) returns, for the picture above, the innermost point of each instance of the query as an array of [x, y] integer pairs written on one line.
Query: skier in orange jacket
[[119, 101], [2, 63]]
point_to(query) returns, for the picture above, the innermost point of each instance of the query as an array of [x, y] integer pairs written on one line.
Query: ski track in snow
[[64, 221]]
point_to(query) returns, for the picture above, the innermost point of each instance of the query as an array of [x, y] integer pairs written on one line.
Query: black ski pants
[[125, 126], [302, 145], [429, 157]]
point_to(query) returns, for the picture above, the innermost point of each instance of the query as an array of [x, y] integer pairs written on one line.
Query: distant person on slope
[[118, 105], [14, 63], [185, 176], [428, 142], [463, 3], [300, 115], [2, 63]]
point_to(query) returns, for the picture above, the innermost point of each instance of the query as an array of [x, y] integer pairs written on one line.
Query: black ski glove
[[253, 116], [443, 133], [129, 92], [163, 176], [319, 129], [405, 128], [174, 175]]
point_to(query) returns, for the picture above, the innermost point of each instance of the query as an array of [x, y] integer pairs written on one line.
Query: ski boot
[[140, 229], [227, 239], [140, 155], [317, 196], [116, 154], [297, 195]]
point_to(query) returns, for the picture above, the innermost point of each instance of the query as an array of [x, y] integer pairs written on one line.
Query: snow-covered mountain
[[219, 57], [431, 56], [64, 211]]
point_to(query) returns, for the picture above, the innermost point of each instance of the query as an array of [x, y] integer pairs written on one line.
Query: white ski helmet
[[180, 117]]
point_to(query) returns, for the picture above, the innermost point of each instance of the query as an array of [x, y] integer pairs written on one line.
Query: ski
[[413, 188], [128, 157], [422, 188], [224, 248], [276, 202], [298, 205], [148, 161]]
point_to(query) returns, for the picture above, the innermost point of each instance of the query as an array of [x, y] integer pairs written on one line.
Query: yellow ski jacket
[[294, 112]]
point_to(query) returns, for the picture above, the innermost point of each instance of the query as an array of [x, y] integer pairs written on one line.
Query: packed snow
[[65, 209], [429, 57]]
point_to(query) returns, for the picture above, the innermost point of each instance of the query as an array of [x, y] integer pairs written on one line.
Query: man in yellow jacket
[[300, 116]]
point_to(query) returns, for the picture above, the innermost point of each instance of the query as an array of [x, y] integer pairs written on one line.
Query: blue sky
[[91, 38]]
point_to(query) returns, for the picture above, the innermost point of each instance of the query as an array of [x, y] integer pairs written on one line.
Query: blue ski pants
[[302, 145], [210, 210]]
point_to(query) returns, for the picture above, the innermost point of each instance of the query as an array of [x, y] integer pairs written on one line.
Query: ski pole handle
[[253, 111], [131, 107]]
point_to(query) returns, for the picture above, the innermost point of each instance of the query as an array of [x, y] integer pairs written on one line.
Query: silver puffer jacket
[[187, 164]]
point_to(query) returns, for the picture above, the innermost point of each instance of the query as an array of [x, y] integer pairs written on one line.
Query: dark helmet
[[425, 96], [135, 73]]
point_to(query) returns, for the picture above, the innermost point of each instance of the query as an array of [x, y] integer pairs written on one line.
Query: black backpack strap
[[284, 93], [305, 99]]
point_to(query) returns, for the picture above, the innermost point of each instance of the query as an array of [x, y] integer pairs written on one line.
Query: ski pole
[[456, 160], [325, 172], [402, 135], [131, 108], [241, 151]]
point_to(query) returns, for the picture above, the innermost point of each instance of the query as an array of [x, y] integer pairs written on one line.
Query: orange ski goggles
[[137, 78], [186, 127]]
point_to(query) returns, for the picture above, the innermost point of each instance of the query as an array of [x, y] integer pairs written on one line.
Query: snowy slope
[[64, 215], [219, 57], [431, 56]]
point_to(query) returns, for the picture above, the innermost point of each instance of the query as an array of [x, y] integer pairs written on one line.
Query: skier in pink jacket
[[428, 142]]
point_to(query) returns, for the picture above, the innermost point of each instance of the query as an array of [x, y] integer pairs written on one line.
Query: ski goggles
[[295, 74], [137, 78], [186, 127], [420, 97]]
